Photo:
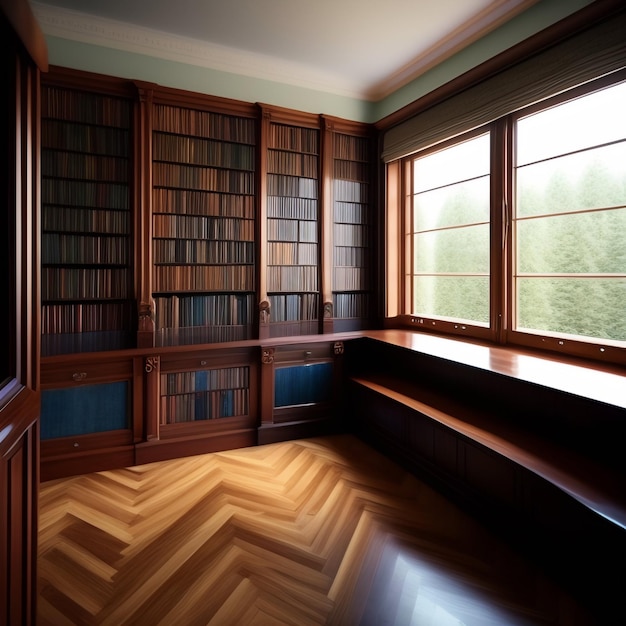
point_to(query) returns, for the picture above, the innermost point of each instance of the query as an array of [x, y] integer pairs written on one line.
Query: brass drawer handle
[[78, 376]]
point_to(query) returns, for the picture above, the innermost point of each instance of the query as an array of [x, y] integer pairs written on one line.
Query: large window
[[517, 232], [570, 218], [447, 237]]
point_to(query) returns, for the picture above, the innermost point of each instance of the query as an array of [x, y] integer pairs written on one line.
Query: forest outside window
[[517, 232], [447, 234], [570, 219]]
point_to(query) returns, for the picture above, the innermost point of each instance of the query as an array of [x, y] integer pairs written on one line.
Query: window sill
[[593, 381]]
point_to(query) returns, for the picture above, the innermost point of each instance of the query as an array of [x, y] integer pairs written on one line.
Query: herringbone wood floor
[[318, 531]]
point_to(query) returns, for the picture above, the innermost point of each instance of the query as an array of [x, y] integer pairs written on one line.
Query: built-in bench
[[534, 442]]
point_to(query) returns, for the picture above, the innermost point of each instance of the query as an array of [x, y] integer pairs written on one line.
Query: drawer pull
[[78, 376]]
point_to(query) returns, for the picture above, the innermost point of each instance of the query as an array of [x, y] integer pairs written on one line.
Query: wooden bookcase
[[87, 236], [182, 234], [199, 399], [292, 220], [203, 222], [350, 158]]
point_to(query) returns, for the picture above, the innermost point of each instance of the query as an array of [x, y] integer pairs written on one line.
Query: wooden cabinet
[[91, 412], [183, 236]]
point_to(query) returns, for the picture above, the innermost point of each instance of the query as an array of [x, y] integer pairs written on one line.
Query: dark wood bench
[[534, 446]]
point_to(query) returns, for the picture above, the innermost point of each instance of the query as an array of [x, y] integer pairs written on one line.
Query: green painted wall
[[113, 62]]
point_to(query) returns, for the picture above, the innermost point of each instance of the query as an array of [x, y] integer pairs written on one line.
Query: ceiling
[[358, 48]]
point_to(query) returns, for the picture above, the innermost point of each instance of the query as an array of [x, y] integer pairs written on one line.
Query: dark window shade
[[590, 54]]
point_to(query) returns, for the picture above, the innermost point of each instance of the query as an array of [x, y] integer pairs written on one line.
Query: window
[[517, 231], [570, 218], [447, 237]]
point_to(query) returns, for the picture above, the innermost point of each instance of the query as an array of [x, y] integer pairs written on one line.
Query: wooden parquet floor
[[317, 531]]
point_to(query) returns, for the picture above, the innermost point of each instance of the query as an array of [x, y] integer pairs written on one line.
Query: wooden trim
[[82, 80], [282, 115], [326, 225], [215, 104], [22, 19]]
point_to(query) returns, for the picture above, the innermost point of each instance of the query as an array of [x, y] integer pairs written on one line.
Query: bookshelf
[[203, 225], [86, 223], [187, 240], [201, 395], [351, 228], [292, 228]]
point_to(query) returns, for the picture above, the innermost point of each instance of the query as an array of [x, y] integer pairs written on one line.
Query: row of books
[[350, 279], [180, 176], [351, 212], [295, 138], [350, 191], [194, 335], [61, 164], [350, 235], [289, 278], [81, 220], [204, 405], [292, 163], [59, 134], [289, 329], [347, 305], [85, 193], [80, 106], [201, 227], [200, 151], [185, 121], [351, 148], [292, 208], [288, 253], [203, 278], [203, 309], [292, 186], [84, 317], [86, 341], [205, 380], [192, 202], [190, 251], [347, 256], [62, 283], [294, 307], [84, 249], [292, 230], [350, 170]]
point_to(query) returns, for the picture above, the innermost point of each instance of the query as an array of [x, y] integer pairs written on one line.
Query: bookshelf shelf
[[352, 229], [86, 242], [203, 225], [186, 235], [293, 229]]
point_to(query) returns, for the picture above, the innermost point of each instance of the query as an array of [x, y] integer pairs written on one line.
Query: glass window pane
[[576, 243], [571, 258], [462, 203], [459, 250], [462, 161], [585, 180], [582, 123], [462, 298], [574, 306], [450, 233]]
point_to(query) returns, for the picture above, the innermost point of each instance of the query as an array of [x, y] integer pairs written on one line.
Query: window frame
[[501, 330]]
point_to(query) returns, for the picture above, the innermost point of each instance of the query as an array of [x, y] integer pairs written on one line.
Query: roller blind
[[587, 55]]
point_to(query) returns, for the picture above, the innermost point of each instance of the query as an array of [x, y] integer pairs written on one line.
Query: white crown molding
[[76, 26], [496, 14]]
